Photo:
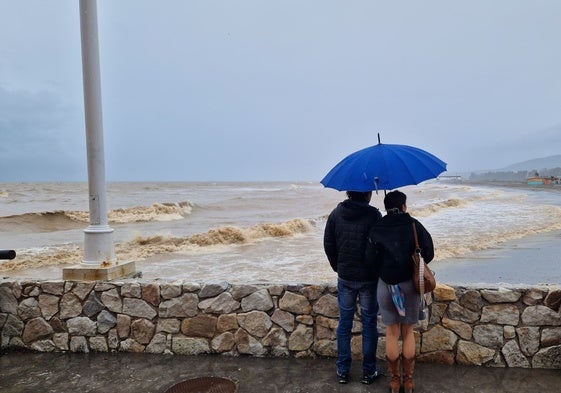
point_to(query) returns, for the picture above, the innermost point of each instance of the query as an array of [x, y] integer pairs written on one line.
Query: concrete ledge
[[98, 273]]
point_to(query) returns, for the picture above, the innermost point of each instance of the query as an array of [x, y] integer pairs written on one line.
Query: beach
[[272, 232]]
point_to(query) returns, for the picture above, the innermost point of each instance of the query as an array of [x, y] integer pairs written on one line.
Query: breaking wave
[[145, 247], [68, 219]]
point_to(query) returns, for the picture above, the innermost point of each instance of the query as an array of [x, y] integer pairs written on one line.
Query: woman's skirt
[[411, 303]]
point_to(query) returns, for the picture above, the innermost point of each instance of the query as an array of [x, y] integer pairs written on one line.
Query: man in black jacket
[[345, 240]]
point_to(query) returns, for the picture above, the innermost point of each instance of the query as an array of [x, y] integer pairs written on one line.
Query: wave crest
[[67, 219], [145, 247], [436, 207], [156, 212]]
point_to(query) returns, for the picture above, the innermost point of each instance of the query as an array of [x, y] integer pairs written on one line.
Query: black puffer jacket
[[391, 244], [345, 239]]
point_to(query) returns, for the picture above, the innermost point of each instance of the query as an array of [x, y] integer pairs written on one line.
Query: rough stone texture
[[501, 295], [132, 290], [438, 339], [83, 289], [223, 303], [529, 339], [238, 292], [326, 328], [444, 293], [105, 321], [227, 322], [224, 342], [170, 325], [211, 290], [151, 293], [142, 330], [36, 329], [503, 314], [123, 325], [490, 336], [259, 300], [199, 326], [79, 344], [256, 323], [533, 297], [98, 344], [297, 304], [462, 329], [28, 309], [548, 358], [470, 353], [53, 288], [553, 299], [81, 326], [158, 344], [455, 311], [494, 327], [283, 319], [247, 344], [184, 306], [513, 355], [471, 300], [8, 302], [138, 308], [327, 306], [112, 300], [313, 292], [70, 306], [48, 305], [550, 337], [301, 338], [509, 332], [92, 306], [540, 315], [169, 291]]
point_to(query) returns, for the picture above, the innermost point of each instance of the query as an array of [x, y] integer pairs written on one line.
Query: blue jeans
[[348, 292]]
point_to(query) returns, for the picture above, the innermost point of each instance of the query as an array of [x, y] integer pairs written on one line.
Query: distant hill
[[546, 166], [535, 164]]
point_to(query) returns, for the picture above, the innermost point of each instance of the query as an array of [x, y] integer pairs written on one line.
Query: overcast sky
[[278, 90]]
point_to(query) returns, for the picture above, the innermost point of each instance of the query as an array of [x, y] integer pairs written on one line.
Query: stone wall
[[493, 326]]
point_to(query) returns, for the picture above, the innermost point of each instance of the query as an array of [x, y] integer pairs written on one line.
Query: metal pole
[[98, 236]]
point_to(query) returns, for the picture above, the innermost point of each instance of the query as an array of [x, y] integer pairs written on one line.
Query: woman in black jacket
[[391, 246]]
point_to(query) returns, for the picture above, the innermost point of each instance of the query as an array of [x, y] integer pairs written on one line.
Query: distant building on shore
[[541, 181]]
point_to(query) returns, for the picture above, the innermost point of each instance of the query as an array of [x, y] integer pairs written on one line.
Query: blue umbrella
[[383, 167]]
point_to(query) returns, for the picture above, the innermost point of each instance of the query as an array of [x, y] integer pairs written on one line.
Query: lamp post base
[[99, 273]]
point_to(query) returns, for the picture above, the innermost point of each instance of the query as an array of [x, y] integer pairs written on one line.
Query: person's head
[[395, 200], [360, 196]]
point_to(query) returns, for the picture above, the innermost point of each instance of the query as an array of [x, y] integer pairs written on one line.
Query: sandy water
[[272, 232]]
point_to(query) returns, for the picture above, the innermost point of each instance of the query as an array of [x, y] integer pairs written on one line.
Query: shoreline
[[532, 260]]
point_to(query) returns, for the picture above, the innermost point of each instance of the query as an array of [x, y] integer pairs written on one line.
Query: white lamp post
[[99, 260]]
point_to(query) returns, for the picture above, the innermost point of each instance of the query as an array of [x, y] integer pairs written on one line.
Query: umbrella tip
[[378, 138]]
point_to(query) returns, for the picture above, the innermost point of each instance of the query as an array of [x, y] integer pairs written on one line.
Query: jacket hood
[[353, 210]]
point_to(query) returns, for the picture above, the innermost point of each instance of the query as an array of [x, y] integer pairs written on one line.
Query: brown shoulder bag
[[423, 277]]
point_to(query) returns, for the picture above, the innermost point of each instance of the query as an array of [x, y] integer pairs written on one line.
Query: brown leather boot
[[394, 368], [408, 368]]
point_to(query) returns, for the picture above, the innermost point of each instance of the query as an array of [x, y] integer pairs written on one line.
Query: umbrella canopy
[[383, 167]]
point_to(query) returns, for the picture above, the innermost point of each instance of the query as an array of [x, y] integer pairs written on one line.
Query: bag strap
[[417, 249], [421, 263]]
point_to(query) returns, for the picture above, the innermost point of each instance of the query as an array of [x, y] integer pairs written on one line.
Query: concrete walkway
[[129, 372]]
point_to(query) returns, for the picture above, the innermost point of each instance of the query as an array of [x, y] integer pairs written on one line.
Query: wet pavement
[[130, 372]]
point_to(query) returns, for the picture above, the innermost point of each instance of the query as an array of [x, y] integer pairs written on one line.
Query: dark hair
[[359, 196], [394, 200]]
